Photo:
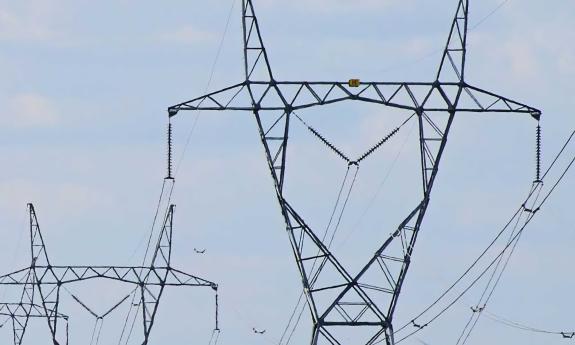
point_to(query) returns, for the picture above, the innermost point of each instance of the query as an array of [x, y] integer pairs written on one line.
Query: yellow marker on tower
[[354, 82]]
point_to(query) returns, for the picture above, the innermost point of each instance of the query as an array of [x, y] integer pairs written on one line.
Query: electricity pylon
[[367, 299], [21, 313], [41, 282]]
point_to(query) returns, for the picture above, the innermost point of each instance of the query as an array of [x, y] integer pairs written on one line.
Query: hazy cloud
[[30, 22], [338, 5], [58, 196], [523, 59], [29, 110], [185, 34]]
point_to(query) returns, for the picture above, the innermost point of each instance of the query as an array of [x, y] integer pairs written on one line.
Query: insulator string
[[217, 312], [538, 154], [169, 150]]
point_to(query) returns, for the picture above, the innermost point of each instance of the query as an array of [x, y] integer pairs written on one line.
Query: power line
[[482, 20], [208, 84], [324, 236], [495, 276], [559, 154], [403, 65], [464, 274], [509, 244], [171, 189], [379, 188], [524, 327], [499, 234]]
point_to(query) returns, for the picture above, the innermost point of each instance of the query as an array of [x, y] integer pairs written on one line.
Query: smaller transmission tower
[[21, 313], [41, 283]]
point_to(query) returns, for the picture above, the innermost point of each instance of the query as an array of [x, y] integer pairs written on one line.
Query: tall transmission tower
[[41, 283], [362, 303]]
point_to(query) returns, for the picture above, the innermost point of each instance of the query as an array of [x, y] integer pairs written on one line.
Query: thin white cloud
[[58, 196], [550, 42], [326, 6], [185, 35], [28, 110], [523, 59], [31, 22]]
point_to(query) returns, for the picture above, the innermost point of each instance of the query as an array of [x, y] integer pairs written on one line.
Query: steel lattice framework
[[368, 298], [21, 313], [41, 282]]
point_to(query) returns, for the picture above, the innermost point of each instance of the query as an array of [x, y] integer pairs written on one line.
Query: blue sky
[[83, 95]]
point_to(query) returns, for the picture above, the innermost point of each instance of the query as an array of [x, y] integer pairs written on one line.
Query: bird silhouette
[[258, 332], [198, 251]]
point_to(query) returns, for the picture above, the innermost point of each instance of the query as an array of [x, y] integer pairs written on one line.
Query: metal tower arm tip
[[536, 114], [172, 111]]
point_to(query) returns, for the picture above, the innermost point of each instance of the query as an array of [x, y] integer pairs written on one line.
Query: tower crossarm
[[25, 310], [59, 275], [480, 100], [293, 95]]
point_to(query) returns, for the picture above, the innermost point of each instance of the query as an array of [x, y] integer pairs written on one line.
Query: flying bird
[[258, 332], [199, 251]]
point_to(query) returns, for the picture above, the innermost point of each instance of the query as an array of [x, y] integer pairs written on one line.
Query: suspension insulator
[[538, 155], [169, 151], [378, 145], [328, 144]]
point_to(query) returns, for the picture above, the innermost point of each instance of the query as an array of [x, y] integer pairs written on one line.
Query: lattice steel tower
[[363, 302], [41, 284]]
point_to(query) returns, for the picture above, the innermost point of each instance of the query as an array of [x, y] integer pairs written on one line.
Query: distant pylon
[[42, 281]]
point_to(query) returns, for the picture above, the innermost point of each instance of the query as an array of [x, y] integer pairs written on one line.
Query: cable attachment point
[[528, 210], [477, 309], [417, 325], [169, 151], [538, 155]]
